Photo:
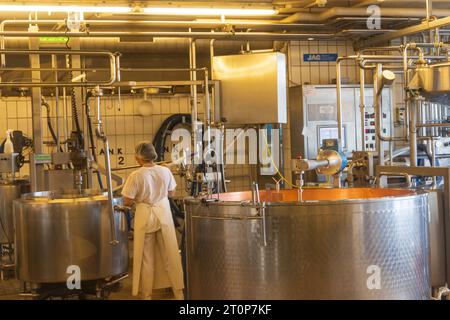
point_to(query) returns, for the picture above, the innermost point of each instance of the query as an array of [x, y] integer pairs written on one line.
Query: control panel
[[369, 127]]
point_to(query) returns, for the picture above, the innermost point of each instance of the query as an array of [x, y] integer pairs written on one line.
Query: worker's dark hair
[[146, 151]]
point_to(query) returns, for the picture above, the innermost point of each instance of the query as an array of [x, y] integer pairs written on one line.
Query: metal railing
[[109, 56]]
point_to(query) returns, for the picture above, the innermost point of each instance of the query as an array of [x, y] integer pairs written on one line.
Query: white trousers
[[148, 265]]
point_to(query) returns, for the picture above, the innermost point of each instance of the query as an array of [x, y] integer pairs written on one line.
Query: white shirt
[[149, 184]]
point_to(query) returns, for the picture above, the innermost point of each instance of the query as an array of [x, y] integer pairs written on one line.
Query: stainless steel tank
[[55, 231], [358, 243], [9, 191]]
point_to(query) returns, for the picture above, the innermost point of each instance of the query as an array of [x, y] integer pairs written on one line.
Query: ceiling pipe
[[367, 3], [164, 23], [424, 26], [342, 11], [242, 36]]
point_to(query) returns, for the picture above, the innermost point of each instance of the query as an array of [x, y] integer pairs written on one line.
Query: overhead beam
[[424, 26]]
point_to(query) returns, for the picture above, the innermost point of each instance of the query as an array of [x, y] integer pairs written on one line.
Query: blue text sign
[[320, 57]]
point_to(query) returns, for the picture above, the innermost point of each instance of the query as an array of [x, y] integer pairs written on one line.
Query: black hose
[[91, 138], [165, 129], [49, 123], [73, 102]]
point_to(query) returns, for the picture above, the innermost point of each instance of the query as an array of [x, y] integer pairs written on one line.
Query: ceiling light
[[148, 10], [43, 8], [209, 11]]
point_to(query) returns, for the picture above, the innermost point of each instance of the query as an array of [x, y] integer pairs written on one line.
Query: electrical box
[[252, 87], [8, 162]]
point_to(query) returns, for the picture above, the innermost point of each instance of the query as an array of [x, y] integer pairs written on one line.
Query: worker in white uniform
[[156, 257]]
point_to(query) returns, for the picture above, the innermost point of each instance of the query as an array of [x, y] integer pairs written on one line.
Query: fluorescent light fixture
[[149, 10], [208, 11], [43, 8]]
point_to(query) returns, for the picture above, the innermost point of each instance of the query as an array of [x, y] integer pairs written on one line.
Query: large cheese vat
[[357, 243], [57, 230], [9, 191]]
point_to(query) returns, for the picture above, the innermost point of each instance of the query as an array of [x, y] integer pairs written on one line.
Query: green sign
[[40, 158], [53, 39]]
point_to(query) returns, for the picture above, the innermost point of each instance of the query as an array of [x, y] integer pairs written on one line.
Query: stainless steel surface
[[324, 248], [432, 172], [8, 193], [60, 179], [8, 163], [54, 231], [253, 87], [437, 238], [433, 79], [334, 162]]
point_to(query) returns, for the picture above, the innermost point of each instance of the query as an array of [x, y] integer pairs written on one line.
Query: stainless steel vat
[[434, 80], [335, 245], [55, 231], [9, 191]]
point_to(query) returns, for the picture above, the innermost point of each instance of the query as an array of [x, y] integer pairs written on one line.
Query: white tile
[[120, 125], [22, 108], [138, 125], [11, 109], [165, 105]]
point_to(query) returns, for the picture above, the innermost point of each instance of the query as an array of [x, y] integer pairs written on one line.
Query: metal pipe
[[207, 115], [413, 134], [394, 174], [433, 125], [57, 83], [55, 65], [362, 103], [194, 104], [339, 97], [244, 36], [416, 29], [378, 112], [99, 132], [352, 11]]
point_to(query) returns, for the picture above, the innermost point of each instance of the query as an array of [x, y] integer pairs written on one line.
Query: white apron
[[157, 218]]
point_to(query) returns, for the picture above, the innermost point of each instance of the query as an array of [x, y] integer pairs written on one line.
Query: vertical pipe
[[413, 133], [378, 111], [194, 109], [339, 99], [207, 110], [65, 120], [362, 102], [102, 136], [55, 66], [37, 170]]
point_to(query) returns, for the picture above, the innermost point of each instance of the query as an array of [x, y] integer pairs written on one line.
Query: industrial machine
[[60, 235], [331, 162], [348, 243], [71, 230], [313, 112], [12, 186]]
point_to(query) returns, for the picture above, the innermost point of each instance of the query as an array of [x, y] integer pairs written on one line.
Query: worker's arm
[[129, 191], [128, 202], [172, 188], [172, 193]]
